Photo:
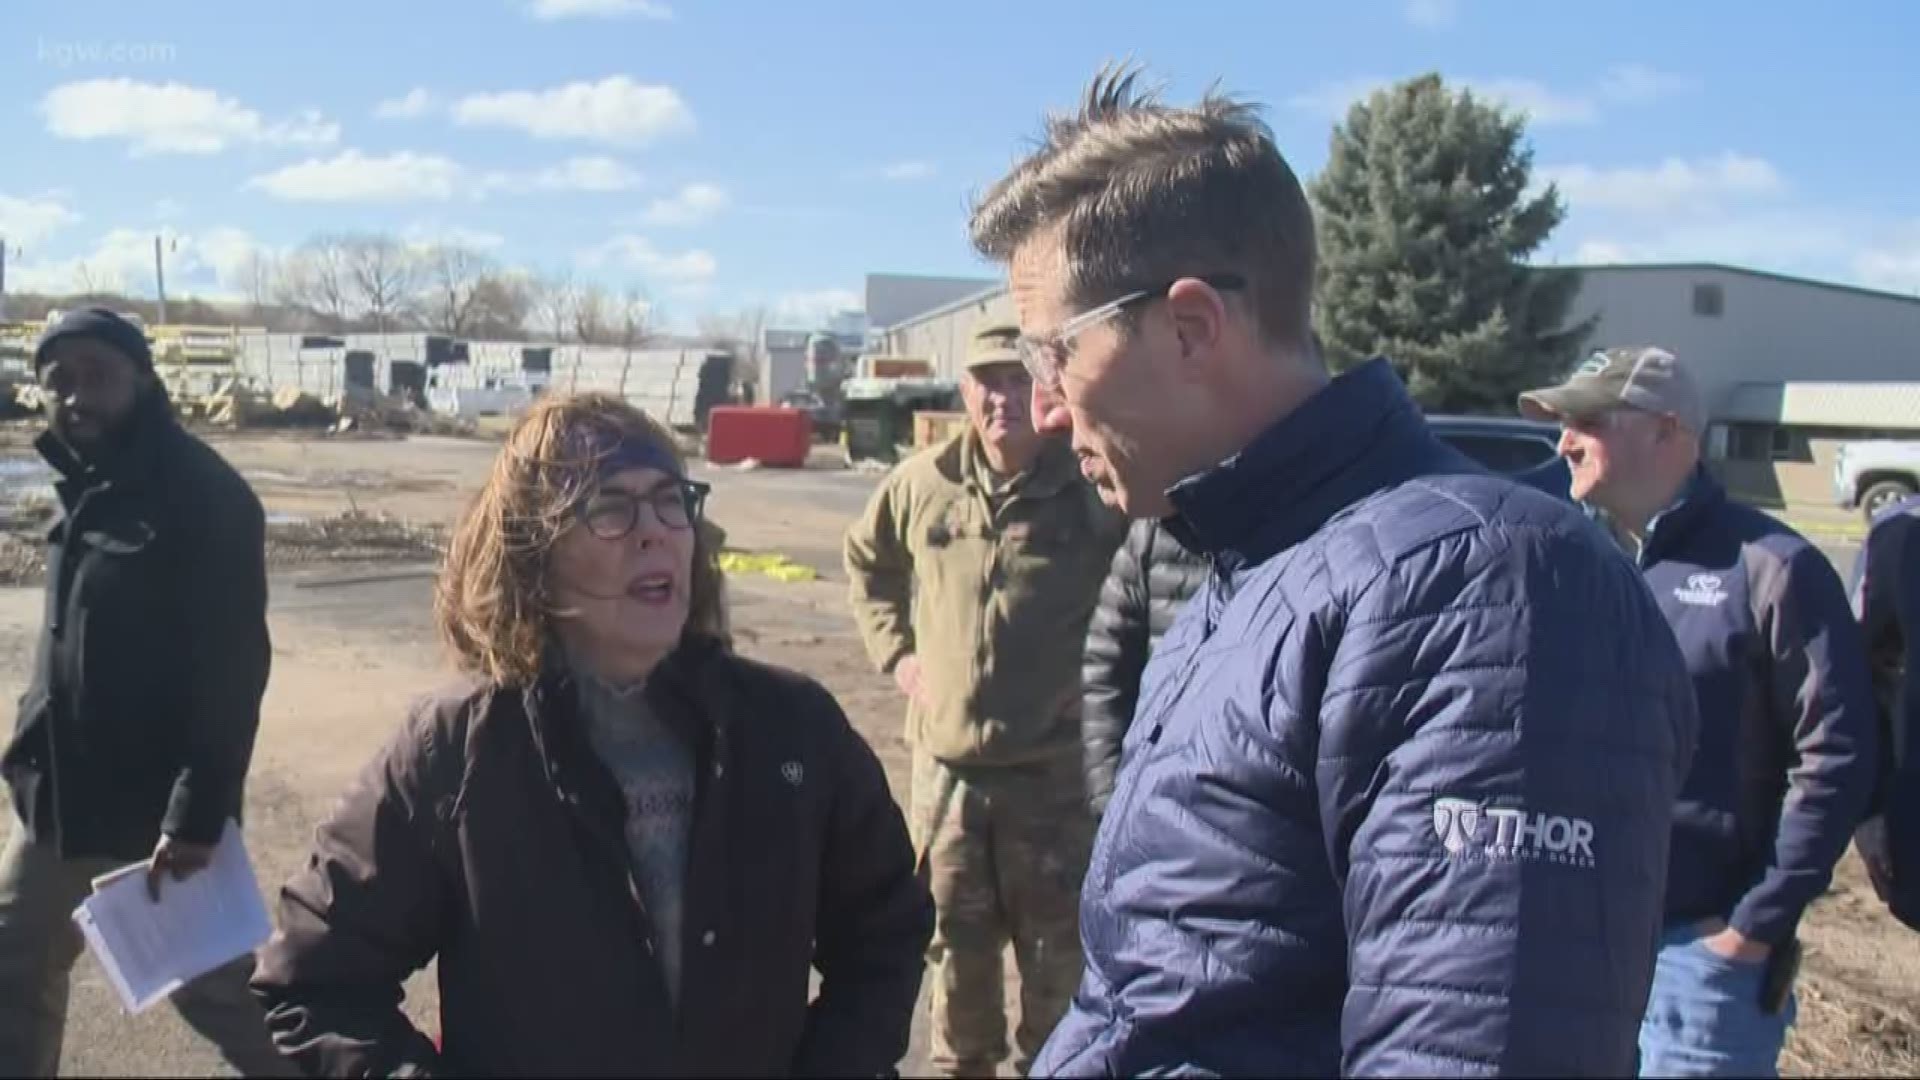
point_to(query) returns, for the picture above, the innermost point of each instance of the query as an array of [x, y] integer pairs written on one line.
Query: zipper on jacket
[[644, 922]]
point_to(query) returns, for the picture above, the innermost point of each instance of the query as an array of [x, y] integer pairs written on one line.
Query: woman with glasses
[[624, 845]]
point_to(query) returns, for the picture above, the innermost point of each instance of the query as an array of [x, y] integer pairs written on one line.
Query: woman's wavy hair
[[492, 602]]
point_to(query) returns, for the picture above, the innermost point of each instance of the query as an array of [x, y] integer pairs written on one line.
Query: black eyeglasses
[[611, 513], [1045, 358]]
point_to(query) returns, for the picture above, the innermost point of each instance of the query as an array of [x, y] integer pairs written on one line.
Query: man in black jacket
[[1152, 577], [1886, 598], [134, 737]]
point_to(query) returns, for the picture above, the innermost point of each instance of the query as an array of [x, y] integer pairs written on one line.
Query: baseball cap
[[993, 343], [1642, 377]]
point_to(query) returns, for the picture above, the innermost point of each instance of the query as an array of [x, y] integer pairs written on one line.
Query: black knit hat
[[101, 324]]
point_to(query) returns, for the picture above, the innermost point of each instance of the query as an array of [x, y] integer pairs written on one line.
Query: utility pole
[[160, 280]]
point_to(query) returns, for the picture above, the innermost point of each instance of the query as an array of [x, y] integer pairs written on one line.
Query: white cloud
[[1332, 100], [355, 177], [1625, 84], [1788, 239], [908, 170], [228, 252], [172, 118], [554, 10], [1638, 84], [590, 174], [1431, 14], [1893, 262], [121, 261], [25, 222], [615, 110], [1675, 185], [691, 205], [1542, 104], [421, 235], [815, 307], [638, 253], [206, 265], [414, 103]]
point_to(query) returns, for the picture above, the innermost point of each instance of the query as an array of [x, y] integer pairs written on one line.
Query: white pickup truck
[[1875, 474], [491, 395]]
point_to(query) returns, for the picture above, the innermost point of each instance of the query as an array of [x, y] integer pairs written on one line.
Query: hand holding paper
[[151, 947], [180, 858]]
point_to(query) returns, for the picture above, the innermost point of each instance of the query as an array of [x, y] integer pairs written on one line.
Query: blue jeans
[[1704, 1017]]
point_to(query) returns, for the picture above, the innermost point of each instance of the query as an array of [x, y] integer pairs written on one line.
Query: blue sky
[[721, 153]]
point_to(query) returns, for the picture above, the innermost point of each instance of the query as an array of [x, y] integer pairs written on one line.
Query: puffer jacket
[[1400, 791], [1886, 598], [1152, 577], [489, 837]]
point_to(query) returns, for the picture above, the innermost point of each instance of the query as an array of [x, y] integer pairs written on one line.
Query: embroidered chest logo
[[1702, 590], [793, 772], [1469, 830]]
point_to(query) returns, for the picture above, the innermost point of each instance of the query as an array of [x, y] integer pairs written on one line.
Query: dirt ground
[[353, 644]]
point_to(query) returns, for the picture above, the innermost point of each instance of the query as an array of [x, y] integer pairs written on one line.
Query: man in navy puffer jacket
[[1398, 794]]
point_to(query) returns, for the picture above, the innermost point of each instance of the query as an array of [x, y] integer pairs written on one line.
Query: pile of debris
[[23, 558], [232, 403], [353, 537]]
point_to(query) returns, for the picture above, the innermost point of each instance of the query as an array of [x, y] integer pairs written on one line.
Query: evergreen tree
[[1425, 223]]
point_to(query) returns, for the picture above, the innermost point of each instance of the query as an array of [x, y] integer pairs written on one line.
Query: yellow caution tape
[[770, 564]]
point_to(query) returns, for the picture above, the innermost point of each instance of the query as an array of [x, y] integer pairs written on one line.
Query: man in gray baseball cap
[[1648, 379], [1787, 725]]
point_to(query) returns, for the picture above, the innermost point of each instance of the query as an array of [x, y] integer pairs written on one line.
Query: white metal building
[[895, 298], [941, 334], [1789, 366]]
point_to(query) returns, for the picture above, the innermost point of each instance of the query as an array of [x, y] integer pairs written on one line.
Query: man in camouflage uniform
[[974, 572]]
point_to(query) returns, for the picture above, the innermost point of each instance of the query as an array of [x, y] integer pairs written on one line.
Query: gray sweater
[[654, 769]]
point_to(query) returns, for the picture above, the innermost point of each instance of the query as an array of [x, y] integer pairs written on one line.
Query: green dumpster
[[872, 428]]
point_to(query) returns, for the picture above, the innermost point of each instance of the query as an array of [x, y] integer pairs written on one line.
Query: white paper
[[151, 949]]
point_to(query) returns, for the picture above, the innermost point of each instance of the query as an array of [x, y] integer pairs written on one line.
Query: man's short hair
[[1146, 193]]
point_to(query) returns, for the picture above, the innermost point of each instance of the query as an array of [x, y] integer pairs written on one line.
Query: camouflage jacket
[[994, 602]]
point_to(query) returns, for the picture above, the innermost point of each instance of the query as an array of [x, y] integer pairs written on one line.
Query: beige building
[[1790, 367]]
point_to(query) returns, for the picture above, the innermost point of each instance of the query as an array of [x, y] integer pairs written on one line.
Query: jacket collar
[[964, 461], [1356, 436], [689, 691], [1699, 498]]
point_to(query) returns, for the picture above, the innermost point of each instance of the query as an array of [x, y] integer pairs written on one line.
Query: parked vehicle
[[1526, 450], [489, 395], [1873, 475]]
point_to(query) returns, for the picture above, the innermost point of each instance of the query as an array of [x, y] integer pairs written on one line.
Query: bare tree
[[454, 295], [258, 276], [635, 317], [554, 299], [592, 316], [741, 333], [717, 329], [83, 276], [752, 327], [383, 273], [317, 280], [503, 304]]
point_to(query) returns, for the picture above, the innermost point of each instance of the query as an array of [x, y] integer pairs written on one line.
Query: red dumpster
[[771, 435]]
